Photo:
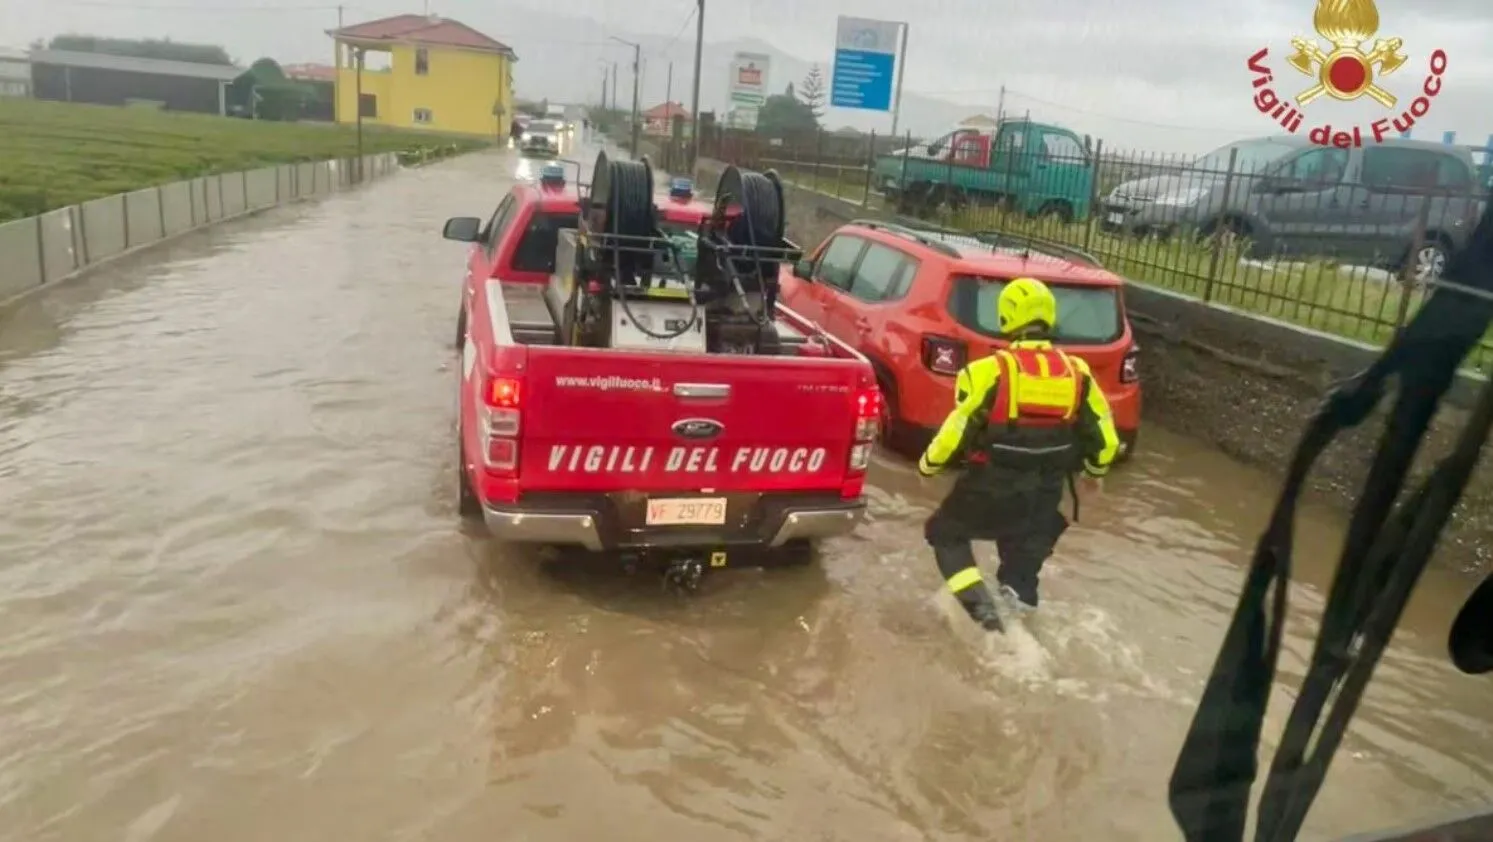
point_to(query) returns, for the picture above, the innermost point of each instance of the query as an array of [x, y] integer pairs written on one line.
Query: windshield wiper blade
[[1382, 558]]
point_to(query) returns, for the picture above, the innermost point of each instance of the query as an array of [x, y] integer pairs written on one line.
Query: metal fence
[[1344, 240], [39, 250]]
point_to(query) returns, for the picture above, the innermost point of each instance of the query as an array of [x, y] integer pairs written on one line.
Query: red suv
[[919, 302]]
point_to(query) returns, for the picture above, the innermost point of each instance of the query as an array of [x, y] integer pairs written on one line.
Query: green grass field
[[55, 154]]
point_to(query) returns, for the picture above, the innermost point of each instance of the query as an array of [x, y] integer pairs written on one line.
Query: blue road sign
[[865, 64], [862, 80]]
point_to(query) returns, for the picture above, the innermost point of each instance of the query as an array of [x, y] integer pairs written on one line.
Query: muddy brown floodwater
[[236, 603]]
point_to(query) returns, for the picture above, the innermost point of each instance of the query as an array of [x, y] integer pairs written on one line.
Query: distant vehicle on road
[[1361, 205], [540, 138], [919, 302], [676, 449], [1036, 168]]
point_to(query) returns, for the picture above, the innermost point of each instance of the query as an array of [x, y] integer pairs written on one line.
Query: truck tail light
[[867, 426], [867, 415], [942, 355], [1130, 366], [502, 417]]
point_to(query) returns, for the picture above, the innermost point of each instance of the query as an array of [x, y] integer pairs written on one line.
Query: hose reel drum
[[623, 298]]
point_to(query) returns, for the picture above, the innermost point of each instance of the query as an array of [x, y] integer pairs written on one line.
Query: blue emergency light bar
[[681, 188], [552, 174]]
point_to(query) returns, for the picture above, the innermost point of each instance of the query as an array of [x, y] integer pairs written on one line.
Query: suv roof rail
[[911, 233], [1004, 240]]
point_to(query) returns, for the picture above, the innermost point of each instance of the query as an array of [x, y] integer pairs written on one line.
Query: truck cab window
[[536, 250], [1062, 147], [499, 223]]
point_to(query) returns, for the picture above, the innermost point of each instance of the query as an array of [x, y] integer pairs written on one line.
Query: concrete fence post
[[245, 175], [41, 247], [82, 227], [124, 202], [161, 206]]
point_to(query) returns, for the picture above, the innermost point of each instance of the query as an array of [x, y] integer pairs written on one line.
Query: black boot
[[981, 609]]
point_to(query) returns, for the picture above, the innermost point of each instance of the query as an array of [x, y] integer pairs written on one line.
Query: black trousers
[[1019, 512]]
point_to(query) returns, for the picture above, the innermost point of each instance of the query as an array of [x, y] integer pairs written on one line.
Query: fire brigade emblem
[[1347, 72]]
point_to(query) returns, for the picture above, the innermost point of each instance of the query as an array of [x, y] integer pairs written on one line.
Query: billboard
[[865, 61], [746, 85]]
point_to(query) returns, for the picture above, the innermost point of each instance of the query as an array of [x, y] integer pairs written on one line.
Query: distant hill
[[554, 73]]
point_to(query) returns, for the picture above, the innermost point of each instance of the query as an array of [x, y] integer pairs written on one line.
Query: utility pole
[[637, 73], [358, 54], [669, 87], [901, 64], [603, 89], [614, 86], [339, 17], [694, 126], [1000, 108]]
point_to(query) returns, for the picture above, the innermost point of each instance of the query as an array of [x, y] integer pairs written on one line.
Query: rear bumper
[[607, 523]]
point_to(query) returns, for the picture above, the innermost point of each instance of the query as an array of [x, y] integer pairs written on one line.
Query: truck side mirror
[[463, 229], [804, 269]]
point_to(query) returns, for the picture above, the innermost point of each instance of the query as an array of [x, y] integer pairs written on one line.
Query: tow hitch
[[683, 575]]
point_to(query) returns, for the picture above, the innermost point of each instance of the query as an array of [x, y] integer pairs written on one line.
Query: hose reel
[[621, 209], [744, 245], [623, 245]]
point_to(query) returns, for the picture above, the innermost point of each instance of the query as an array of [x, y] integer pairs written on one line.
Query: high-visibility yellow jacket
[[1026, 407]]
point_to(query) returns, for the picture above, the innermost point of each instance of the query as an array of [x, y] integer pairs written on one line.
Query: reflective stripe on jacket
[[1028, 406]]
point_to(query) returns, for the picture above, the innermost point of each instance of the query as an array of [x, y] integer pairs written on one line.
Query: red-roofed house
[[441, 75], [658, 119], [310, 72]]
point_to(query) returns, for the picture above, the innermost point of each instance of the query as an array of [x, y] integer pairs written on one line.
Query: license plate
[[687, 511], [1116, 219]]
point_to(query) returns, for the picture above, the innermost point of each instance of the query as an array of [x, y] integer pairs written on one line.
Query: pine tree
[[812, 92]]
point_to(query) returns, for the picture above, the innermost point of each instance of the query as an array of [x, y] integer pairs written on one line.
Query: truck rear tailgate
[[600, 421]]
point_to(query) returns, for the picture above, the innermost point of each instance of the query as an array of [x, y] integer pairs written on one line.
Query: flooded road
[[237, 603]]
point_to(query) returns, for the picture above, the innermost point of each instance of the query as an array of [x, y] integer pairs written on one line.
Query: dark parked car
[[1362, 205]]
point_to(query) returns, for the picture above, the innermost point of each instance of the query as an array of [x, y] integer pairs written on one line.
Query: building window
[[422, 115], [368, 106], [422, 62]]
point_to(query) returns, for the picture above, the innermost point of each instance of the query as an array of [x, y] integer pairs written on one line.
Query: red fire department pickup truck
[[666, 452]]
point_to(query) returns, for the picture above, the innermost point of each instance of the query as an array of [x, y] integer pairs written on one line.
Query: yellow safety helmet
[[1024, 303]]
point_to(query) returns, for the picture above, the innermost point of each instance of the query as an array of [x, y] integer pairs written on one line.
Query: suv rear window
[[1087, 315], [536, 251]]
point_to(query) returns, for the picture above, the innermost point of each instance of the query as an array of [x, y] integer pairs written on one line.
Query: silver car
[[1364, 205], [541, 137]]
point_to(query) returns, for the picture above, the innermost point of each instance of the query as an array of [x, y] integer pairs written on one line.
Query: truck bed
[[533, 316]]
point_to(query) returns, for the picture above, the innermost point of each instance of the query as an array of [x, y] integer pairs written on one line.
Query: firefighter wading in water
[[1025, 420]]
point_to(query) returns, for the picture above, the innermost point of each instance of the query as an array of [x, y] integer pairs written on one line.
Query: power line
[[682, 27]]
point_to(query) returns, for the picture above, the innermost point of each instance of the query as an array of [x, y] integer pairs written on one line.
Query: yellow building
[[433, 73]]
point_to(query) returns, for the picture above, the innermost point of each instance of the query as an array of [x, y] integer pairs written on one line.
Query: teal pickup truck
[[1037, 168]]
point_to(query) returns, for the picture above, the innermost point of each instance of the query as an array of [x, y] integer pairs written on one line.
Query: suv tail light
[[501, 422], [867, 427], [942, 355], [1130, 366]]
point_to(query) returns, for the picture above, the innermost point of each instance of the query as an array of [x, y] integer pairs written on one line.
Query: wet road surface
[[237, 604]]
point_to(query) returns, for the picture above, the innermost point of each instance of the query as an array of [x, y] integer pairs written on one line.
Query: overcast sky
[[1164, 74]]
